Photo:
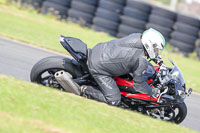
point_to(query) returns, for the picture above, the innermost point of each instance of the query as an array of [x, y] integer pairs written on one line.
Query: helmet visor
[[157, 51]]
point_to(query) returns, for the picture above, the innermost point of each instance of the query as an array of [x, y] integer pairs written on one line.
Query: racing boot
[[82, 90]]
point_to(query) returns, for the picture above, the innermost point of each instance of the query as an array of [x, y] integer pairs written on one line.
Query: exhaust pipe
[[65, 80]]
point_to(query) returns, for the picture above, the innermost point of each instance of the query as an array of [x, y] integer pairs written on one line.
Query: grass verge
[[43, 31], [31, 27], [27, 107]]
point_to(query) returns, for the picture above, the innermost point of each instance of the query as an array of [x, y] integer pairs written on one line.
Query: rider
[[119, 57]]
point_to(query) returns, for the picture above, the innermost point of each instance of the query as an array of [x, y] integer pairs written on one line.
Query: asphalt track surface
[[17, 59]]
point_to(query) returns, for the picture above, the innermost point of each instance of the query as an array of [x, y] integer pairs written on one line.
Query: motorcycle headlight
[[182, 93]]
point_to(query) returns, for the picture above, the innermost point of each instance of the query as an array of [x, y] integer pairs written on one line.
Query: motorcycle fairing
[[76, 44], [75, 47], [141, 96], [127, 86]]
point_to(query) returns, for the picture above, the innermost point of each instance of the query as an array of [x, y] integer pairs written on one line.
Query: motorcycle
[[59, 72]]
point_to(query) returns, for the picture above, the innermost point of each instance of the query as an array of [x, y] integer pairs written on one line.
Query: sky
[[189, 1]]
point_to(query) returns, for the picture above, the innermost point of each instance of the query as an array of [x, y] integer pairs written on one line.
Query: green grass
[[31, 27], [43, 31], [28, 107]]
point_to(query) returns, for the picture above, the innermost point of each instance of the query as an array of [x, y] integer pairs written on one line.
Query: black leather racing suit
[[116, 58]]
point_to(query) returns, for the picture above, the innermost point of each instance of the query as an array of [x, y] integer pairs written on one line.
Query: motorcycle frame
[[81, 62]]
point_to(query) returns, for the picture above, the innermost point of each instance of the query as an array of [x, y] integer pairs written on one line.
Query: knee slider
[[114, 102]]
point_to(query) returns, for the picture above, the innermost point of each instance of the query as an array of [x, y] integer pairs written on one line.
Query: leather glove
[[158, 60]]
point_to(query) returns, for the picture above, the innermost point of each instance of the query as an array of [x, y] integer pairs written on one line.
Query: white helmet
[[153, 41]]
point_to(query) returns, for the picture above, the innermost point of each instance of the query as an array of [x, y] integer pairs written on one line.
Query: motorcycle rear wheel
[[43, 71]]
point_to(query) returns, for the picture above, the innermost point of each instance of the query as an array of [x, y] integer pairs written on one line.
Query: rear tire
[[53, 64]]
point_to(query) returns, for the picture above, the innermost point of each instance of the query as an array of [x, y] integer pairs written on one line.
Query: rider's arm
[[140, 84]]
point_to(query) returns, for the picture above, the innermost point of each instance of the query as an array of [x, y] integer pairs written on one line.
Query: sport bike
[[65, 73]]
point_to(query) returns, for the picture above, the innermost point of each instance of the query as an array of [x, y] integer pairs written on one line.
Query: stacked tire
[[198, 46], [58, 8], [162, 20], [134, 18], [107, 17], [82, 11], [36, 4], [185, 34]]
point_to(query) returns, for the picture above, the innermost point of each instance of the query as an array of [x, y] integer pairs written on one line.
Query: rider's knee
[[114, 103], [114, 100]]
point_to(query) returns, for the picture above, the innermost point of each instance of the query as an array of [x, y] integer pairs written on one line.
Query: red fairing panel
[[139, 96], [123, 82]]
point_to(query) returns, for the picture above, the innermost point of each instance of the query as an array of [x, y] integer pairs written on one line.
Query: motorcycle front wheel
[[180, 111], [176, 113]]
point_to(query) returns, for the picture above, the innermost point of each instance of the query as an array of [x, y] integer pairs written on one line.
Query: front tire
[[176, 113], [182, 112], [45, 69]]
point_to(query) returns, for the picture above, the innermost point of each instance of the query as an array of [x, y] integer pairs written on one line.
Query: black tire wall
[[82, 11], [134, 18], [120, 18], [161, 20], [36, 4], [185, 34], [107, 16], [57, 8]]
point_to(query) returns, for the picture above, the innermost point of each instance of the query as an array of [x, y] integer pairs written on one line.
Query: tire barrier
[[161, 20], [165, 31], [197, 46], [58, 8], [185, 34], [163, 13], [134, 18], [199, 34], [120, 18], [107, 17], [36, 4], [82, 11], [141, 6]]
